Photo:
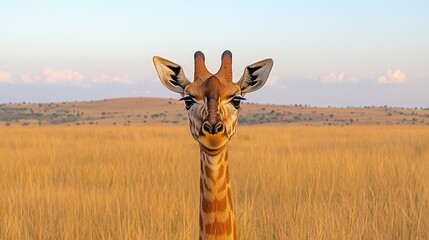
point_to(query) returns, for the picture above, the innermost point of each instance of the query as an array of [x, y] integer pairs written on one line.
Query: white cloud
[[105, 79], [334, 78], [6, 77], [29, 78], [392, 77], [54, 76], [274, 81]]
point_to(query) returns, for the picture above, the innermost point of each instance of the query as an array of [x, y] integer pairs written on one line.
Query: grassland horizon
[[288, 182], [157, 111]]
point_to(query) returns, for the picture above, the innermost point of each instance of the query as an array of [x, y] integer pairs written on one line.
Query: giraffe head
[[212, 100]]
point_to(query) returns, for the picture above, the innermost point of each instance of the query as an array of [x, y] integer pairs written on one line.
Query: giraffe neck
[[217, 220]]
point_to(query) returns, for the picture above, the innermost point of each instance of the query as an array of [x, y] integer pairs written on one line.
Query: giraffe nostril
[[219, 127], [207, 127]]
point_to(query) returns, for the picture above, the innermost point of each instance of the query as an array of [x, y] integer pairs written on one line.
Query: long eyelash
[[189, 101], [240, 98], [185, 98]]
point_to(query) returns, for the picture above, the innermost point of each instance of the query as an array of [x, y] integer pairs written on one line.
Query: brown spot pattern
[[201, 186], [207, 187], [220, 174], [208, 172], [216, 210], [217, 205], [201, 223], [229, 199], [219, 228]]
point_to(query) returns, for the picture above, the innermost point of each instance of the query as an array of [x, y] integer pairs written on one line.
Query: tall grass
[[142, 183]]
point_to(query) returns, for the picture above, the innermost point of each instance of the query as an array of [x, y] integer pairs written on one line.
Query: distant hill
[[149, 111]]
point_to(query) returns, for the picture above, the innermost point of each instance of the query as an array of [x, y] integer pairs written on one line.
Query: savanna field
[[288, 182]]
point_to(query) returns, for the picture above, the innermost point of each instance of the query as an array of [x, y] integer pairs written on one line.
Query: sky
[[326, 53]]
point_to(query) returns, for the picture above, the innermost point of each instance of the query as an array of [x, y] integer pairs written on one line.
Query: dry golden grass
[[142, 182]]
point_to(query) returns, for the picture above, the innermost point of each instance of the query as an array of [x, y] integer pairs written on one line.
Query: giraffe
[[212, 102]]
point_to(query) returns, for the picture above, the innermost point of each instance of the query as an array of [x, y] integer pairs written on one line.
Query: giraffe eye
[[188, 101], [236, 101]]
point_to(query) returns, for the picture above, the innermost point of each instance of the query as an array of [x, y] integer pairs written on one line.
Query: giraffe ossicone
[[212, 102]]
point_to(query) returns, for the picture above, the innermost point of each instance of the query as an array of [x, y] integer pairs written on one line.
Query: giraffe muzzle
[[213, 138], [210, 129]]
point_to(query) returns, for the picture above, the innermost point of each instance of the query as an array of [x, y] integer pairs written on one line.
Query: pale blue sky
[[334, 53]]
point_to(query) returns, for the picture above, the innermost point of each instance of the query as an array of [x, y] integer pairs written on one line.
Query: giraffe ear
[[255, 76], [171, 74]]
